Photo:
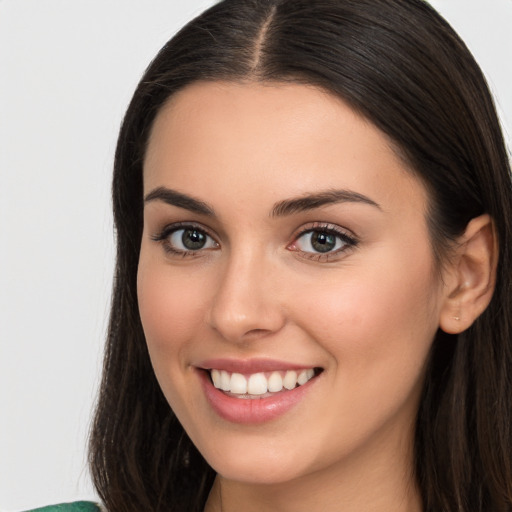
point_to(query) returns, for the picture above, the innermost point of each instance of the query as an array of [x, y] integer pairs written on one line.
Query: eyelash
[[348, 241], [164, 238]]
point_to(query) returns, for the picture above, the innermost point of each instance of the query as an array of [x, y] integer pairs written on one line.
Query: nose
[[246, 303]]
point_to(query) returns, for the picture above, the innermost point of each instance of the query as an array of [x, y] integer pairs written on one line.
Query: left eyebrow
[[318, 199]]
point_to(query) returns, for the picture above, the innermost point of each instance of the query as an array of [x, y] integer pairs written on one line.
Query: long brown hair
[[399, 64]]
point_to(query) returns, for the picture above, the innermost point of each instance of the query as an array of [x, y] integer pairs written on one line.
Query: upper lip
[[249, 366]]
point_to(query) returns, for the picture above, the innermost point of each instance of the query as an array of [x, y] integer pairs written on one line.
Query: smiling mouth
[[261, 384]]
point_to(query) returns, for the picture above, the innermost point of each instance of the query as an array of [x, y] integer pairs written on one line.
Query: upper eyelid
[[324, 226], [163, 236], [176, 226], [348, 237], [350, 242], [302, 230]]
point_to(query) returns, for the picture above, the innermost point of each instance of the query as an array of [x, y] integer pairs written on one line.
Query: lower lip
[[252, 410]]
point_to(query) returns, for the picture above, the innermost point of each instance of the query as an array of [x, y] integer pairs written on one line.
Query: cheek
[[369, 312], [170, 306], [377, 324]]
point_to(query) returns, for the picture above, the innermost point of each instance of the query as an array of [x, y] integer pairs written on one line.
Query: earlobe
[[472, 276]]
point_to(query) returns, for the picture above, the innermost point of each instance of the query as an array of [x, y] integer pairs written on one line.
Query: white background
[[67, 71]]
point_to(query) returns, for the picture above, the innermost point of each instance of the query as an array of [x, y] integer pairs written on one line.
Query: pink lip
[[252, 411], [249, 366]]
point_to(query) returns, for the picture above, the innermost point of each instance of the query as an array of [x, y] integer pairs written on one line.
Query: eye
[[318, 241], [190, 239], [323, 241], [185, 240]]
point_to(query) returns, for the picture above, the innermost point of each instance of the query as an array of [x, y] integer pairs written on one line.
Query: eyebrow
[[316, 200], [280, 209], [175, 198]]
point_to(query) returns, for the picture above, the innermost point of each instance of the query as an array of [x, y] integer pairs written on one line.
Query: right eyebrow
[[180, 200]]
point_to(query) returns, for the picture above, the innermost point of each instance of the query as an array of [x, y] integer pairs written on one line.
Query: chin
[[263, 462], [248, 472]]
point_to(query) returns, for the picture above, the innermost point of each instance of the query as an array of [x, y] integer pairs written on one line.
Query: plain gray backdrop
[[67, 71]]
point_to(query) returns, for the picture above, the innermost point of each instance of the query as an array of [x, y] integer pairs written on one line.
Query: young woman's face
[[285, 247]]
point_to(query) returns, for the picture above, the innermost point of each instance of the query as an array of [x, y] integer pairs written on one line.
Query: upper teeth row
[[258, 383]]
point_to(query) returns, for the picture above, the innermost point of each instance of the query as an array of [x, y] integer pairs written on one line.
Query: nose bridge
[[245, 304]]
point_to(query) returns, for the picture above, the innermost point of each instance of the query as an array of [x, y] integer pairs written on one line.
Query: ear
[[471, 278]]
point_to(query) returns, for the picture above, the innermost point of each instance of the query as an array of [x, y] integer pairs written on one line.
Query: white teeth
[[258, 383], [302, 378], [290, 379], [225, 381], [216, 378], [275, 382], [238, 384]]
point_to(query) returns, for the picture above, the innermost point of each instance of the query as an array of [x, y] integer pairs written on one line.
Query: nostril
[[256, 334]]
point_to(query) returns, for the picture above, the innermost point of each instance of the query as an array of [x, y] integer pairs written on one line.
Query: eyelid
[[349, 239], [164, 234], [325, 226], [175, 226]]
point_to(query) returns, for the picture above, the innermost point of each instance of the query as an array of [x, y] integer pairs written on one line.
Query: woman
[[312, 299]]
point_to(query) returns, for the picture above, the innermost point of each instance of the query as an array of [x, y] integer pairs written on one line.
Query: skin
[[366, 315]]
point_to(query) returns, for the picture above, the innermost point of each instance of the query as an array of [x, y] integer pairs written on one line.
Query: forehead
[[268, 140]]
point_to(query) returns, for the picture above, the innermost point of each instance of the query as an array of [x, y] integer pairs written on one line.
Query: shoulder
[[77, 506]]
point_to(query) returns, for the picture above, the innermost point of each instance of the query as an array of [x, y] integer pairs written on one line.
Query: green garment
[[77, 506]]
